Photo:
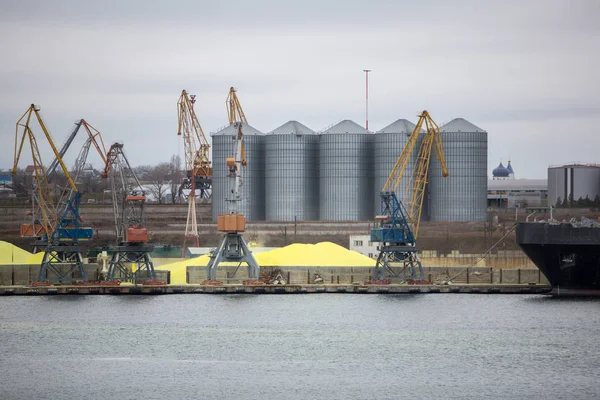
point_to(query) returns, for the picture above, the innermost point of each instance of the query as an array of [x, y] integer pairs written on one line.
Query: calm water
[[299, 347]]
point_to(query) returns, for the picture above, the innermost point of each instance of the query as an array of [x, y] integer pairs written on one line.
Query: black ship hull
[[568, 256]]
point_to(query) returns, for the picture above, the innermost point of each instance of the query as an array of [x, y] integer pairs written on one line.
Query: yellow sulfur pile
[[35, 258], [324, 254], [11, 254]]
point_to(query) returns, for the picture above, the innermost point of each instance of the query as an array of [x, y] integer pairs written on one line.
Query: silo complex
[[346, 173], [462, 196], [253, 178], [389, 143], [291, 173], [573, 182]]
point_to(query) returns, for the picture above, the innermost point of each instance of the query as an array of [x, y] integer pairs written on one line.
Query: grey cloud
[[513, 66]]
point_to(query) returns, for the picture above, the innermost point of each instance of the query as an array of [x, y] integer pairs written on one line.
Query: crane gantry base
[[120, 266], [62, 263], [398, 261], [233, 248]]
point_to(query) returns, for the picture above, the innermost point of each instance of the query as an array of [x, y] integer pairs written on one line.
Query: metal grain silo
[[252, 190], [573, 182], [462, 196], [291, 173], [389, 143], [346, 173]]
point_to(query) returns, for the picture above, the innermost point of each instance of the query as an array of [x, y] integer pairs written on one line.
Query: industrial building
[[573, 182], [505, 191], [294, 173], [520, 193], [6, 184]]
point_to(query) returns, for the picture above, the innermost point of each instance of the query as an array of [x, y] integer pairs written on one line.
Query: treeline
[[579, 203], [161, 181]]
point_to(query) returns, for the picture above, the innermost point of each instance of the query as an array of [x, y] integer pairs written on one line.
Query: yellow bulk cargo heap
[[324, 254], [36, 258], [11, 254]]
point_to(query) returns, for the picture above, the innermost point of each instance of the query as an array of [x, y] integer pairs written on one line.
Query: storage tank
[[292, 173], [573, 181], [462, 196], [252, 189], [346, 173], [389, 143]]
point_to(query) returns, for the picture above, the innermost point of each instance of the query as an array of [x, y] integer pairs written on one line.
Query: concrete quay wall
[[26, 274], [349, 275]]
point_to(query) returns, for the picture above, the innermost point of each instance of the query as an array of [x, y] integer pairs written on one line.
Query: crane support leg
[[233, 248], [62, 263], [131, 264], [400, 262]]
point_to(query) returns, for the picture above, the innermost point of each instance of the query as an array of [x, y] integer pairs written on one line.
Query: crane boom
[[237, 118], [196, 146], [95, 138], [44, 194], [47, 205], [52, 168], [234, 108]]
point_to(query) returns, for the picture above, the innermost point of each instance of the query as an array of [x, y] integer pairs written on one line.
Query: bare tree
[[159, 180], [175, 175], [142, 171]]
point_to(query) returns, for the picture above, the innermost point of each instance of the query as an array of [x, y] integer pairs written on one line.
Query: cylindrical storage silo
[[346, 173], [462, 196], [291, 173], [574, 182], [252, 190], [389, 143]]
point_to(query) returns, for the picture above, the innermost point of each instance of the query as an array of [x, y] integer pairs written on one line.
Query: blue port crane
[[397, 227], [61, 230], [34, 229]]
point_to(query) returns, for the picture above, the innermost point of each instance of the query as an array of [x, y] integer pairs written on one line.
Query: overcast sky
[[525, 71]]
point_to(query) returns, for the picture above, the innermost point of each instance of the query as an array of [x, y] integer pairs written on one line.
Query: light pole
[[366, 71]]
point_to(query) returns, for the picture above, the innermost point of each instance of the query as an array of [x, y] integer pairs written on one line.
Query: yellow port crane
[[197, 162], [62, 259], [195, 145], [398, 227], [233, 248]]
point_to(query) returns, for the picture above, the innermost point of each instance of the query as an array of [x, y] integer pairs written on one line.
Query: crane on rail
[[397, 226], [34, 229], [198, 178], [233, 248], [61, 223], [130, 260]]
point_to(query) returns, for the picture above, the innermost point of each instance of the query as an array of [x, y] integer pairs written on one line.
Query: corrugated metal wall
[[292, 177], [579, 180], [346, 174], [389, 143], [253, 175], [462, 196]]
